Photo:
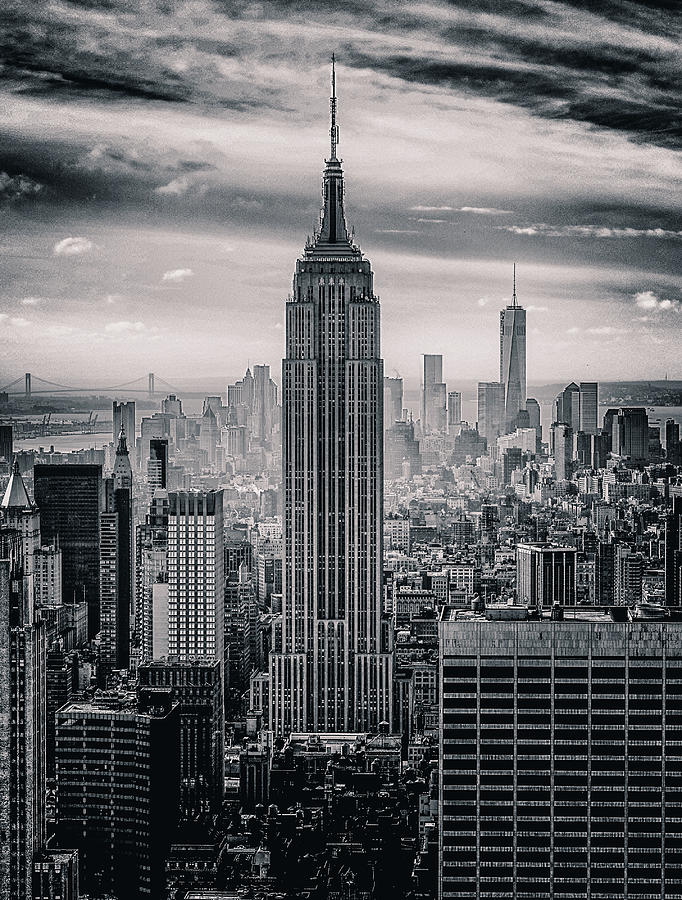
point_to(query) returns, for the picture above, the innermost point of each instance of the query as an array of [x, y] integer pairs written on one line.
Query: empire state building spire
[[332, 235]]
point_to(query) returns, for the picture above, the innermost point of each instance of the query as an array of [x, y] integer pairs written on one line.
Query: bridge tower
[[151, 386], [27, 388]]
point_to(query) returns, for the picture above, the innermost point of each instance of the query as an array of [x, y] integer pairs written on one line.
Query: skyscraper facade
[[123, 417], [117, 563], [330, 667], [454, 408], [559, 758], [434, 395], [589, 406], [513, 359], [195, 574], [22, 714], [393, 401], [69, 498], [630, 434], [490, 410]]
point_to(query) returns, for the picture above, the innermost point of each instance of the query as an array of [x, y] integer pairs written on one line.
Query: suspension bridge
[[28, 385]]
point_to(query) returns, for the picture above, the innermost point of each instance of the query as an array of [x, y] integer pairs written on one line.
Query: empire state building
[[330, 669]]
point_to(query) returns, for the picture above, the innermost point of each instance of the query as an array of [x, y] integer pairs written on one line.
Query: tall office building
[[513, 359], [123, 417], [151, 579], [264, 405], [6, 444], [434, 395], [589, 406], [117, 766], [560, 754], [566, 409], [490, 410], [69, 498], [22, 714], [454, 408], [629, 572], [157, 465], [117, 563], [196, 686], [673, 446], [545, 575], [393, 401], [630, 434], [330, 666], [195, 575], [673, 553], [562, 449]]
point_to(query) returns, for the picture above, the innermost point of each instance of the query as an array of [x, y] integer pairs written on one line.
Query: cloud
[[32, 301], [175, 188], [483, 301], [650, 301], [591, 231], [124, 327], [533, 308], [433, 209], [72, 246], [112, 299], [175, 276], [17, 187], [605, 330], [573, 330], [396, 231], [485, 211], [15, 321]]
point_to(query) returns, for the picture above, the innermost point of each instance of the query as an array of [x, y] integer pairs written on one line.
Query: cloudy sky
[[160, 169]]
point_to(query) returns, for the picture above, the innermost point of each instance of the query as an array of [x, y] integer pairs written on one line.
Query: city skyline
[[171, 179]]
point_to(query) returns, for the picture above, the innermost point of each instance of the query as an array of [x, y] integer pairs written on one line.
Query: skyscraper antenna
[[334, 128], [514, 291]]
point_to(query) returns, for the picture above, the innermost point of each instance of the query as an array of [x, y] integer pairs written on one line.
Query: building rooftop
[[503, 612]]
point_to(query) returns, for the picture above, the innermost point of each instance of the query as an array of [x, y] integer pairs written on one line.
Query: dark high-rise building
[[6, 444], [545, 575], [673, 446], [559, 757], [117, 563], [566, 410], [22, 714], [534, 416], [123, 417], [630, 434], [512, 459], [490, 410], [330, 667], [562, 448], [69, 498], [118, 791], [673, 553], [513, 359], [434, 395], [196, 687], [157, 466], [393, 401], [454, 408], [589, 406]]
